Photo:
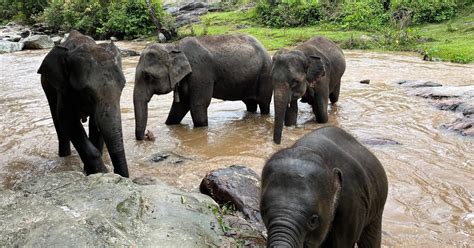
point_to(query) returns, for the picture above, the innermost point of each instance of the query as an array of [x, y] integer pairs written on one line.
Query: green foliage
[[288, 14], [428, 11], [220, 211], [100, 18], [363, 15], [21, 10]]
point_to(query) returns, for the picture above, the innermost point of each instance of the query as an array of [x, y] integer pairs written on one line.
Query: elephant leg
[[334, 96], [94, 135], [64, 142], [320, 106], [177, 112], [265, 93], [90, 155], [199, 114], [251, 105], [371, 235], [199, 100], [291, 113]]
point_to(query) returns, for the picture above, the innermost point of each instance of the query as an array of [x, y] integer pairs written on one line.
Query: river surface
[[431, 174]]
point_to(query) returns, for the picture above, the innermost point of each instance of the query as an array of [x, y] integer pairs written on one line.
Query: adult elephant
[[228, 67], [83, 79], [327, 190], [313, 70]]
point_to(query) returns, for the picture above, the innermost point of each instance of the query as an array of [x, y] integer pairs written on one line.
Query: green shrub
[[22, 11], [363, 15], [100, 18], [428, 11], [288, 14]]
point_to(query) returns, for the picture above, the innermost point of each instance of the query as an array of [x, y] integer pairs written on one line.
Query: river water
[[431, 174]]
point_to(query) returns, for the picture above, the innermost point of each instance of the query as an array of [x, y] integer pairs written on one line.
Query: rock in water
[[379, 142], [236, 184], [38, 42], [104, 210], [8, 46]]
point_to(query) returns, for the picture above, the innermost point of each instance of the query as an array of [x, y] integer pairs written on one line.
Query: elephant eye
[[313, 222]]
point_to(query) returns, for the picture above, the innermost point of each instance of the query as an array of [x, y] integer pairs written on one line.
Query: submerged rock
[[379, 142], [128, 53], [454, 98], [418, 83], [38, 42], [105, 210], [464, 125], [236, 184]]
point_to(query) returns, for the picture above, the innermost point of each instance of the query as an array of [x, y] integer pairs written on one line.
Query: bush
[[101, 19], [428, 11], [288, 14], [21, 10], [363, 15]]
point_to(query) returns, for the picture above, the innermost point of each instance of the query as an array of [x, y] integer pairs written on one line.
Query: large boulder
[[236, 184], [105, 210], [8, 46], [38, 42]]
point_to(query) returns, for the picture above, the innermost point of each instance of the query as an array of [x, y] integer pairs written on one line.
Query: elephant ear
[[337, 185], [316, 69], [53, 68], [179, 66]]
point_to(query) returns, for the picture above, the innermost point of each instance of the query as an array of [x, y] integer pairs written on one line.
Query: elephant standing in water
[[313, 70], [327, 190], [228, 67], [83, 79]]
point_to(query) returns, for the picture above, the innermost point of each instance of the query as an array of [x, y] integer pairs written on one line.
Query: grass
[[452, 41]]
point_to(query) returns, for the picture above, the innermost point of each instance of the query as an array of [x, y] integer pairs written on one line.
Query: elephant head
[[160, 69], [89, 77], [298, 200], [292, 73]]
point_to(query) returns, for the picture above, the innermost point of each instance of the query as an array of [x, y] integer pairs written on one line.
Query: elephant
[[228, 67], [83, 79], [312, 71], [327, 190]]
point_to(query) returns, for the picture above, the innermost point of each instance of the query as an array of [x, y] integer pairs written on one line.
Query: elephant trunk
[[140, 104], [281, 101], [109, 121], [283, 233]]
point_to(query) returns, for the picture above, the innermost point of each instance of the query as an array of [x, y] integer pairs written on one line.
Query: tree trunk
[[159, 27]]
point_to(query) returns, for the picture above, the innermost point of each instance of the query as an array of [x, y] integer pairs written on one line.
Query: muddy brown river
[[431, 174]]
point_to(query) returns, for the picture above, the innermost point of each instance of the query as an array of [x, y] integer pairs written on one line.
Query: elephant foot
[[64, 153], [96, 168]]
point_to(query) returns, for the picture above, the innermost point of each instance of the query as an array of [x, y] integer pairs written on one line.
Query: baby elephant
[[327, 190], [313, 70]]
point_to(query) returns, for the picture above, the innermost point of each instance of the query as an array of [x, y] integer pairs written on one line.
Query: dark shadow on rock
[[464, 125]]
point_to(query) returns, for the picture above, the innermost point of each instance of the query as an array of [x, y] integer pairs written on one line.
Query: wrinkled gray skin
[[327, 190], [313, 70], [228, 67], [83, 79]]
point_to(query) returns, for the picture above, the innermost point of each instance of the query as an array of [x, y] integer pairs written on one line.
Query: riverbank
[[449, 41]]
